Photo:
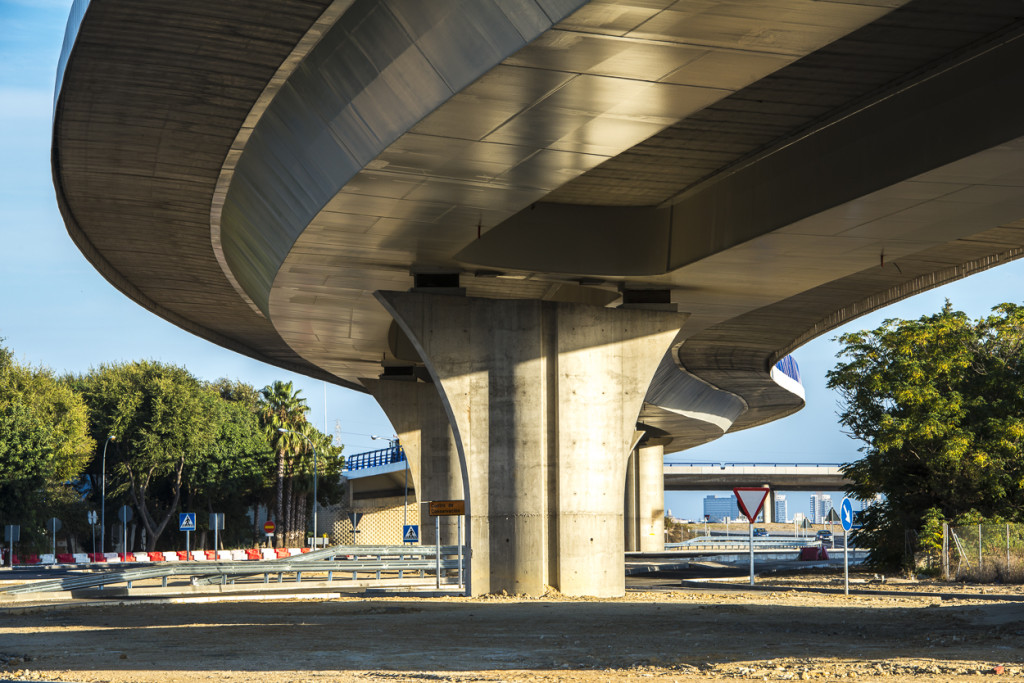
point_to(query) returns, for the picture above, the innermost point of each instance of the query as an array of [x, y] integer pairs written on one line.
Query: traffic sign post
[[92, 518], [269, 528], [125, 515], [187, 523], [751, 500], [846, 518], [217, 524], [53, 525], [354, 517], [446, 508], [12, 534]]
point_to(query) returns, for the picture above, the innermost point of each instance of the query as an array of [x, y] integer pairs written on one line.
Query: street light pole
[[103, 496], [405, 510], [312, 448]]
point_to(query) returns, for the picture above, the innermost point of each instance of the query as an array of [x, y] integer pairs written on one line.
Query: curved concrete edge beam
[[899, 292], [680, 392], [674, 431], [75, 16], [373, 75], [611, 241], [291, 63]]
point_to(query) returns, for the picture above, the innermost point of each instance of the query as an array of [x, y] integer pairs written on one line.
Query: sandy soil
[[661, 632]]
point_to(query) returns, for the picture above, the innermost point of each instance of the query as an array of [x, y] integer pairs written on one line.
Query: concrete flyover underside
[[255, 171]]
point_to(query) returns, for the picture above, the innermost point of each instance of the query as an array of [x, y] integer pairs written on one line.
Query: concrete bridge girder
[[728, 476]]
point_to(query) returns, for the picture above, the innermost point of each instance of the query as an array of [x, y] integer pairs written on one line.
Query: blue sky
[[57, 311]]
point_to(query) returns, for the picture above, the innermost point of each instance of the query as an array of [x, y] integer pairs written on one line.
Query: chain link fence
[[984, 553]]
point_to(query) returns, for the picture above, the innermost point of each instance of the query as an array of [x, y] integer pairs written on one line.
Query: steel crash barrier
[[340, 561], [760, 543]]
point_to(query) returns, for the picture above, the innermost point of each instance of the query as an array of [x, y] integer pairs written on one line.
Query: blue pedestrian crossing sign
[[187, 521], [411, 533], [846, 514]]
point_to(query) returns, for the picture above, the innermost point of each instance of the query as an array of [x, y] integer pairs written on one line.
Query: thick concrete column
[[769, 506], [631, 514], [651, 497], [419, 419], [645, 500], [543, 399]]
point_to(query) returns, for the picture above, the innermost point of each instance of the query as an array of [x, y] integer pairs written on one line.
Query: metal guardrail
[[760, 543], [721, 464], [386, 558], [348, 552]]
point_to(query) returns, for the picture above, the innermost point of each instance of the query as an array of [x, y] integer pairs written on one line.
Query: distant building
[[781, 509], [813, 512], [824, 506], [720, 508]]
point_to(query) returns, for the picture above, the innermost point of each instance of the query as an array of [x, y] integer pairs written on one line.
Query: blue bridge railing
[[384, 456], [789, 367]]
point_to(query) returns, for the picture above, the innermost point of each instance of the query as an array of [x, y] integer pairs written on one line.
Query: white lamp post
[[103, 495]]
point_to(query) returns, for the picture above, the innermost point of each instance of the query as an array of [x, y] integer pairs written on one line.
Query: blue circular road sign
[[846, 514]]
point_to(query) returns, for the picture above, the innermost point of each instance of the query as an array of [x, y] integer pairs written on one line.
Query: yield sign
[[751, 500]]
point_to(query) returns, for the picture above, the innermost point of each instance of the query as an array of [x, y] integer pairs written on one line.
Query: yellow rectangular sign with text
[[442, 508]]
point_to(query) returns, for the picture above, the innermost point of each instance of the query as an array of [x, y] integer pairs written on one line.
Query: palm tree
[[282, 408]]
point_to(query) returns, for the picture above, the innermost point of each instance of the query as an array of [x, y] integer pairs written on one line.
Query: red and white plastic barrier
[[254, 554]]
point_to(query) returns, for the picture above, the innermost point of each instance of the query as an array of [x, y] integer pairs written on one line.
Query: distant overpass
[[718, 476]]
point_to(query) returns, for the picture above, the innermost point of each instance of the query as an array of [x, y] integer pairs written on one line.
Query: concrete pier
[[645, 500], [543, 399], [421, 424]]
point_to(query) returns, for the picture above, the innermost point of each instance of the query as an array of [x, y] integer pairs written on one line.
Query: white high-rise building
[[825, 504], [781, 509], [813, 512]]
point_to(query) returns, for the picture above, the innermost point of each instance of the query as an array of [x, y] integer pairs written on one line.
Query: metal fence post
[[979, 552], [945, 551]]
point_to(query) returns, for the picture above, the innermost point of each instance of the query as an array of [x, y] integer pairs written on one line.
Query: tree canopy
[[44, 445], [160, 416], [173, 443], [939, 405]]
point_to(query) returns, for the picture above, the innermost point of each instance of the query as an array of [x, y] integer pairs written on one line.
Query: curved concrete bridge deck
[[639, 207]]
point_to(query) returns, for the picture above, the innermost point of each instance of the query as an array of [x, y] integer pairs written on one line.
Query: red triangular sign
[[751, 500]]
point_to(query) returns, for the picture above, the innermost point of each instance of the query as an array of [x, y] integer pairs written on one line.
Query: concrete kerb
[[311, 590]]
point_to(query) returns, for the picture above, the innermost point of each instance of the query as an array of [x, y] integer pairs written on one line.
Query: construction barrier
[[254, 554]]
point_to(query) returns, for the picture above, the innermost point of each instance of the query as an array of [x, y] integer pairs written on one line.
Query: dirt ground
[[661, 631]]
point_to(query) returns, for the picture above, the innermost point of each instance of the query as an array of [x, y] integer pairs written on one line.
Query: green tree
[[160, 416], [329, 466], [939, 405], [283, 413], [293, 438], [44, 447], [236, 474]]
